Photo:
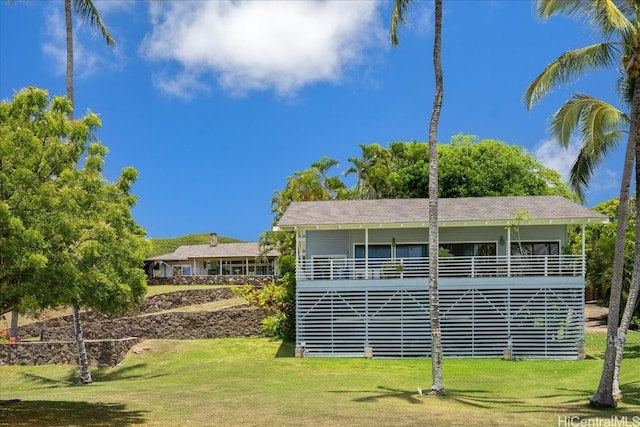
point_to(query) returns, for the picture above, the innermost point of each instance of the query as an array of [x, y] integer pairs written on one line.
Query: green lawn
[[256, 382]]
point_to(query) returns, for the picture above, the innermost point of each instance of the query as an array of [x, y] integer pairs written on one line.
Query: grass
[[208, 306], [256, 382], [5, 320], [165, 289]]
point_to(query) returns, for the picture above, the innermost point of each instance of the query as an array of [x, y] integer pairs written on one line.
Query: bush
[[277, 300]]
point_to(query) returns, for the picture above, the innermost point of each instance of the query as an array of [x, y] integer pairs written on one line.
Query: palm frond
[[87, 11], [594, 115], [588, 160], [397, 18], [600, 126], [569, 65], [571, 8], [625, 86], [605, 16]]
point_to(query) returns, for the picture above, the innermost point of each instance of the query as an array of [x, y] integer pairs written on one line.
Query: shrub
[[277, 300]]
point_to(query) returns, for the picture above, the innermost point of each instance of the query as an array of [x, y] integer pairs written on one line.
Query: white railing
[[331, 268]]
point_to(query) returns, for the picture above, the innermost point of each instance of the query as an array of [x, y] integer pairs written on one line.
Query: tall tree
[[600, 126], [87, 11], [67, 236], [471, 168], [400, 7]]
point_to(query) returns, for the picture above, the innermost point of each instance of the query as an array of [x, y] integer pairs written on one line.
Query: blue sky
[[215, 103]]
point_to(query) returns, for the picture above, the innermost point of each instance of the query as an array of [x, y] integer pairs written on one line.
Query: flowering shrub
[[6, 338]]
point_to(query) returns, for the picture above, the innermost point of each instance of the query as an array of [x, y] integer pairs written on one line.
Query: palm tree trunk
[[632, 298], [604, 396], [437, 387], [85, 375], [69, 25]]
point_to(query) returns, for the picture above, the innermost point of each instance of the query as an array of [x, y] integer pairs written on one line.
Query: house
[[213, 259], [506, 285]]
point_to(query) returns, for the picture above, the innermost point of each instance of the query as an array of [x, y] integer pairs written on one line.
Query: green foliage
[[600, 243], [161, 246], [470, 168], [277, 300], [467, 168], [286, 264], [67, 235]]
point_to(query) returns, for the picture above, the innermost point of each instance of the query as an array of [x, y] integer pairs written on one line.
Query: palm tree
[[600, 127], [397, 18], [87, 12]]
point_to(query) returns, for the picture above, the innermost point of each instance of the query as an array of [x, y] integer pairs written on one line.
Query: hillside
[[166, 245]]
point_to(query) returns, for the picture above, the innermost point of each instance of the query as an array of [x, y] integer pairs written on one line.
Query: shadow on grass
[[576, 403], [631, 352], [384, 393], [61, 413], [101, 375], [473, 398], [286, 349], [480, 399], [126, 373]]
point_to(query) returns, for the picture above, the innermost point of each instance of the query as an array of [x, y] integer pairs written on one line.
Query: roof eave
[[445, 224]]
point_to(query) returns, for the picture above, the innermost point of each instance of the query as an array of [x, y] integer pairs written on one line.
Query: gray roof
[[220, 251], [451, 212]]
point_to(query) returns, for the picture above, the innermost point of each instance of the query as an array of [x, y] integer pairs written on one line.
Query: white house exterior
[[214, 259], [504, 281]]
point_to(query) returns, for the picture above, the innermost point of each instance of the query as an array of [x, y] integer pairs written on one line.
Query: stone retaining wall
[[152, 304], [102, 353], [176, 325], [212, 280], [108, 338]]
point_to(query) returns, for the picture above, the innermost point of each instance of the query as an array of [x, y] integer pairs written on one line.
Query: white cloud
[[554, 156], [261, 45], [107, 6], [90, 52], [424, 18]]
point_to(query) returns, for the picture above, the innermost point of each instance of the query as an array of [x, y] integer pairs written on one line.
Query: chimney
[[213, 239]]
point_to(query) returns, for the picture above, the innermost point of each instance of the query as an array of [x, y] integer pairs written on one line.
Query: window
[[405, 250], [470, 249], [412, 251], [535, 248], [181, 270], [375, 251]]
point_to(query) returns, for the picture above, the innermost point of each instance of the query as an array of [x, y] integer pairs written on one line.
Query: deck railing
[[331, 268]]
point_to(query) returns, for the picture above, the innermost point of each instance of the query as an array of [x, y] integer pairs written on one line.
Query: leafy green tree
[[600, 244], [37, 144], [600, 126], [400, 8], [68, 237], [374, 170], [314, 183], [87, 11], [471, 168]]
